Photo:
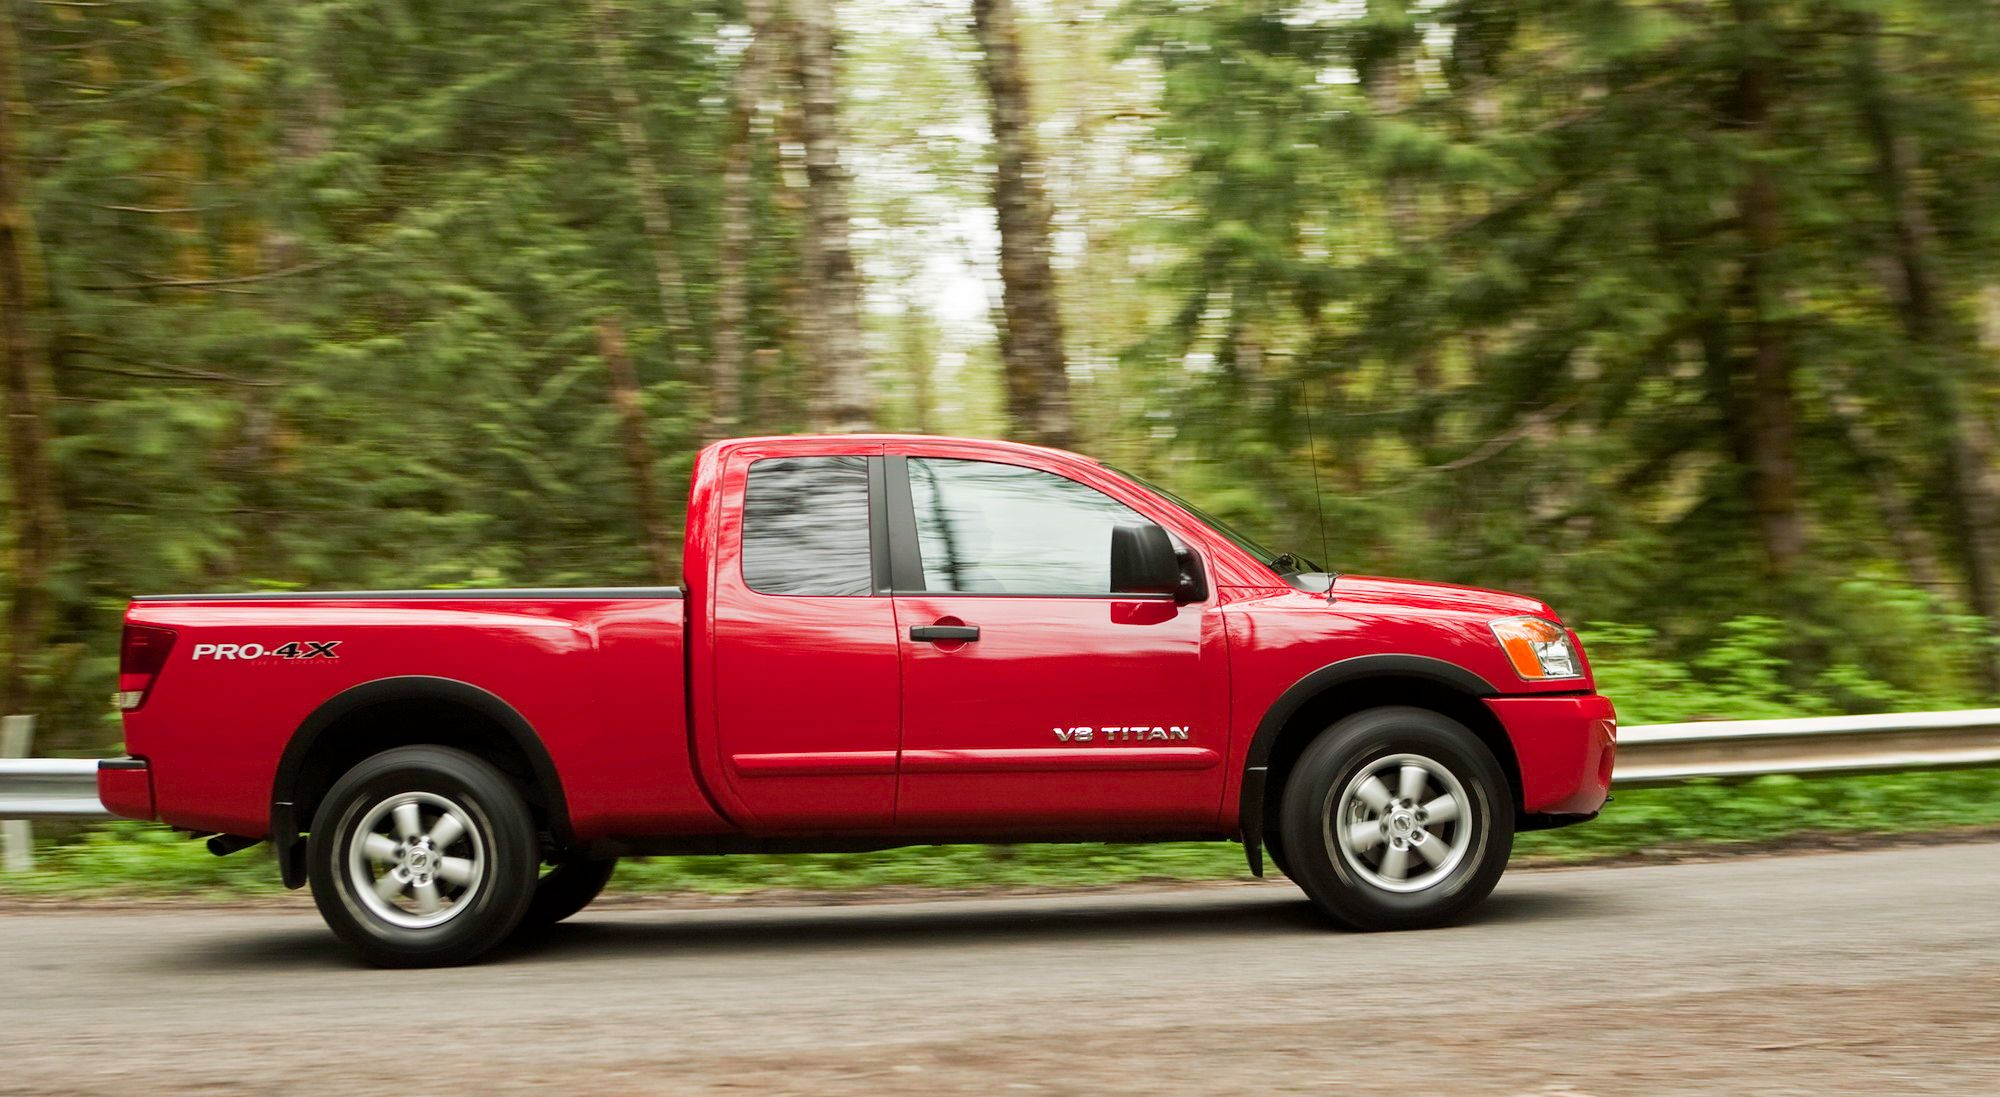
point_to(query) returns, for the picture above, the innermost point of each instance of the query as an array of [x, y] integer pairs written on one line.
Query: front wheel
[[1397, 818], [422, 856]]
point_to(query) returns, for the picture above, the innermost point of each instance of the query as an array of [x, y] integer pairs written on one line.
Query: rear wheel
[[1397, 818], [566, 888], [422, 856]]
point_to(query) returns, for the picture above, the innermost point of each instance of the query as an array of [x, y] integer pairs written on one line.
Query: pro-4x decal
[[294, 649]]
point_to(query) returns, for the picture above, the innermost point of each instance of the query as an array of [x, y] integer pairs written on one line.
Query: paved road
[[1858, 973]]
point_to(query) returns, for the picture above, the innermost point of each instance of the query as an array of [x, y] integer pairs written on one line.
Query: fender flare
[[415, 687], [1256, 765]]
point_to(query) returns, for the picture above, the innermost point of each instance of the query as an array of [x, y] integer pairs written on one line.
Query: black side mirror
[[1143, 561]]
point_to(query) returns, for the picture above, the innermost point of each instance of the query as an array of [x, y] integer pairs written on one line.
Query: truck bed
[[260, 682]]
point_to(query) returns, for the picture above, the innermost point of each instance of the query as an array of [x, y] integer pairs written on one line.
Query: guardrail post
[[17, 836]]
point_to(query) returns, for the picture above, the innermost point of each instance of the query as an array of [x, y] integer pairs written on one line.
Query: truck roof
[[430, 594], [996, 444], [992, 445]]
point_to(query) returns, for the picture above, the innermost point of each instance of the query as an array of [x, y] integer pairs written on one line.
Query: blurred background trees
[[1681, 315]]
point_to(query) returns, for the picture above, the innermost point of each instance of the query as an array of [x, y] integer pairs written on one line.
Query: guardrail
[[1665, 754], [50, 788], [1659, 754]]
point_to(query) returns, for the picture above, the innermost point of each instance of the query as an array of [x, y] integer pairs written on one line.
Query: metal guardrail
[[1665, 754], [1659, 754], [49, 788]]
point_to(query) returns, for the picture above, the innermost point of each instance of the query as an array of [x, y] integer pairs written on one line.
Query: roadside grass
[[137, 860]]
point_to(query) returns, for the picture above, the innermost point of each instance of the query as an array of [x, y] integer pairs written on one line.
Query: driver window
[[989, 528]]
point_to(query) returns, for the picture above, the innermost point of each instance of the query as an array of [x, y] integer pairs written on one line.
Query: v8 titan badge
[[1132, 734]]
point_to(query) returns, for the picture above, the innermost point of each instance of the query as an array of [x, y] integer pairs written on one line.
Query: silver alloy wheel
[[416, 860], [1403, 823]]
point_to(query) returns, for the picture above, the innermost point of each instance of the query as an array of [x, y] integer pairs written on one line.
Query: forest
[[1683, 315]]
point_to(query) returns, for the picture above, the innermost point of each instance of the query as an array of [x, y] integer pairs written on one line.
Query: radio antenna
[[1312, 454]]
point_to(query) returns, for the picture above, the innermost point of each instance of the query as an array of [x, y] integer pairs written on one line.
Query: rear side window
[[987, 528], [805, 526]]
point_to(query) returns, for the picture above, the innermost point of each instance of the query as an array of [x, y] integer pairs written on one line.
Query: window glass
[[1265, 556], [805, 526], [987, 528]]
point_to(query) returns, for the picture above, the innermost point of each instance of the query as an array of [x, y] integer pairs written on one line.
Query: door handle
[[944, 634]]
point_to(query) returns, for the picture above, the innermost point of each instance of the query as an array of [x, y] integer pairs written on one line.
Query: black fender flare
[[1256, 766], [415, 687]]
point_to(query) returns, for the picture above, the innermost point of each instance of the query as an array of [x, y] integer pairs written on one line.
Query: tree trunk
[[1969, 460], [1918, 297], [1031, 338], [916, 352], [1389, 95], [640, 161], [661, 538], [1774, 474], [1773, 405], [1906, 533], [732, 293], [35, 512], [833, 283], [785, 376]]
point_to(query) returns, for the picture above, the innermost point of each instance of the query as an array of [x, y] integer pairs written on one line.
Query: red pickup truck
[[881, 641]]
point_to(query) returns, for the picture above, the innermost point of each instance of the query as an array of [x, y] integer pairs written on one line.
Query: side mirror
[[1143, 561]]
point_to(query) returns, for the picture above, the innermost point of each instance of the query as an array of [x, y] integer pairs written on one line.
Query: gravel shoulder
[[1855, 972]]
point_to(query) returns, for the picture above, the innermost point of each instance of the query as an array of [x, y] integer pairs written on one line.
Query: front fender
[[1333, 676]]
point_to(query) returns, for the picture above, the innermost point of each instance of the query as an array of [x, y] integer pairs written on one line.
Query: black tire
[[1274, 850], [566, 888], [1353, 881], [493, 843]]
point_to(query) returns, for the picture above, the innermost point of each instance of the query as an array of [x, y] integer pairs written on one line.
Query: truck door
[[1035, 699], [806, 687]]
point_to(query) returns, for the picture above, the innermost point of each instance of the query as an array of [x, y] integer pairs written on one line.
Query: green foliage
[[141, 860], [325, 278], [1502, 253], [1777, 807]]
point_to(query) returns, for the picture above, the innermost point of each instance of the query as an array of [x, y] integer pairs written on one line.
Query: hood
[[1417, 594]]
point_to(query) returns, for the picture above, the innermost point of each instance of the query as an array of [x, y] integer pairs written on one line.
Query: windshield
[[1286, 564]]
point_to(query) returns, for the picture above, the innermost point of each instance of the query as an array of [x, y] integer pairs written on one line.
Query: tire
[[1410, 869], [566, 888], [1274, 848], [464, 883]]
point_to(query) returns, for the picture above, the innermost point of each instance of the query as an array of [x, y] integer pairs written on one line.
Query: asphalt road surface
[[1853, 973]]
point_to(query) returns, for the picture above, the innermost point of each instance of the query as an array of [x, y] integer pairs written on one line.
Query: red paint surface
[[126, 792], [731, 710], [813, 679], [1565, 746], [599, 681]]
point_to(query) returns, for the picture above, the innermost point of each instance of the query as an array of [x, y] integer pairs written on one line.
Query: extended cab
[[881, 641]]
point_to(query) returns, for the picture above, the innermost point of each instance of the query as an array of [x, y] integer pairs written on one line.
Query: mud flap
[[1251, 819], [287, 846]]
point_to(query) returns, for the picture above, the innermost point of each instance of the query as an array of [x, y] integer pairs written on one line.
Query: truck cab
[[879, 641]]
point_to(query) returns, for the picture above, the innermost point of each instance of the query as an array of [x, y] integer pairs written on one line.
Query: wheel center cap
[[419, 860], [1401, 823]]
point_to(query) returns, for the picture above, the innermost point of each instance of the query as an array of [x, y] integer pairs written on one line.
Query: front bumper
[[125, 787], [1565, 746]]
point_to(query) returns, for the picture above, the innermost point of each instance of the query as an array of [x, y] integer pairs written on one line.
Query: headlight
[[1537, 648]]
